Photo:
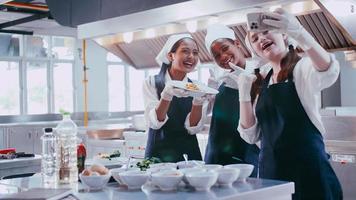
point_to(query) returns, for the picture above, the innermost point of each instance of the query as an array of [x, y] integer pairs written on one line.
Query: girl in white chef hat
[[173, 117], [285, 115], [225, 146]]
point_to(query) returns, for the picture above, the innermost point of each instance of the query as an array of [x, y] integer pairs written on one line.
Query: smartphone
[[255, 24]]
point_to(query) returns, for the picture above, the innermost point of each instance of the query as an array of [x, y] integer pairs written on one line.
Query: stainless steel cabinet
[[24, 138], [21, 138]]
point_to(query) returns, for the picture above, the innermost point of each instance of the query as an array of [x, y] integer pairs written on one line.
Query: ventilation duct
[[74, 12]]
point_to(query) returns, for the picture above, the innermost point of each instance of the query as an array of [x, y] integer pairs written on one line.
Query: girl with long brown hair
[[285, 116]]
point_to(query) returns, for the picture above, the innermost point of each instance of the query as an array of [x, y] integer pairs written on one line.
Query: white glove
[[230, 78], [287, 23], [198, 101], [212, 82], [169, 91], [245, 82]]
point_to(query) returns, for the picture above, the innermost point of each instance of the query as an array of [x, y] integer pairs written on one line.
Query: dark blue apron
[[292, 147], [171, 141], [225, 146]]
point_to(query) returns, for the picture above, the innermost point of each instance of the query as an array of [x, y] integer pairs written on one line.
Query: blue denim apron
[[225, 143], [292, 147], [172, 140]]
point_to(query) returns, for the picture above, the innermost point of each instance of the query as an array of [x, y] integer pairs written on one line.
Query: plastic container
[[49, 166], [67, 150]]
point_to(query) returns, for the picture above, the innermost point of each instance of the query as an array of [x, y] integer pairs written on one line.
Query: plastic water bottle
[[49, 167], [67, 150]]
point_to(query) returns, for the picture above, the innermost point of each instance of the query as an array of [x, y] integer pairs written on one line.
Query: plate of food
[[195, 89], [108, 159]]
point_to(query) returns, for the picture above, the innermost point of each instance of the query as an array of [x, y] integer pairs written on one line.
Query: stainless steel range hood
[[140, 53]]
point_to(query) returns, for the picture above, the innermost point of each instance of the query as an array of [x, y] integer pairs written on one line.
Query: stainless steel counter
[[252, 189]]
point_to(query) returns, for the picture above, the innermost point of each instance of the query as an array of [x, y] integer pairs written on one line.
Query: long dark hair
[[287, 66], [160, 77]]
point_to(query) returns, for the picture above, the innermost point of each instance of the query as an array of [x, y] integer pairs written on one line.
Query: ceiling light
[[213, 20], [150, 33], [128, 37], [192, 26]]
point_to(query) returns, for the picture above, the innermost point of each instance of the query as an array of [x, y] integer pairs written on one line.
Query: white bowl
[[159, 169], [210, 167], [245, 170], [202, 181], [134, 179], [186, 171], [227, 176], [167, 180], [95, 182], [116, 173], [164, 165], [190, 163]]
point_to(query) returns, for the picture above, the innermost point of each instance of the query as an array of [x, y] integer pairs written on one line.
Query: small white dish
[[190, 164], [186, 171], [167, 180], [226, 176], [134, 179], [164, 165], [95, 182], [115, 173], [245, 170], [202, 181], [210, 167]]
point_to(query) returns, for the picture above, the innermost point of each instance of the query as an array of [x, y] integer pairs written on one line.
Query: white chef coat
[[308, 82], [151, 101]]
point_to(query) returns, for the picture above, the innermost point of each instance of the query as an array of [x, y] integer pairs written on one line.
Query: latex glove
[[245, 80], [287, 23], [230, 78], [198, 101], [212, 81], [169, 91]]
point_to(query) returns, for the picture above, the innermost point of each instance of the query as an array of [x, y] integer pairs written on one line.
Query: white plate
[[114, 162], [203, 89]]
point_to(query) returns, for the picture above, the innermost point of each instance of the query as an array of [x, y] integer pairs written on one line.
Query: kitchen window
[[36, 76], [9, 88], [62, 48], [40, 70], [63, 87], [116, 85], [136, 79]]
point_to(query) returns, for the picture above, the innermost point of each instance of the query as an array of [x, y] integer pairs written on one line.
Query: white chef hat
[[217, 31], [162, 56]]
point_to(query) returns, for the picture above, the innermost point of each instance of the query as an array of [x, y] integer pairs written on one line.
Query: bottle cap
[[48, 130]]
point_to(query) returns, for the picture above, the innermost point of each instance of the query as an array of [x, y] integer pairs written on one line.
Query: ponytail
[[287, 64], [160, 78], [257, 85]]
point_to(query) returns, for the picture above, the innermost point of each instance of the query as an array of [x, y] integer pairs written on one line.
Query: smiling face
[[184, 57], [267, 45], [225, 51]]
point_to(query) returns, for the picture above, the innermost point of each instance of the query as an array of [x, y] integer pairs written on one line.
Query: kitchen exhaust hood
[[137, 37]]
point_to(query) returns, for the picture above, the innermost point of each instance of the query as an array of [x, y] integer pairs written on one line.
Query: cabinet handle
[[29, 135], [8, 132]]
